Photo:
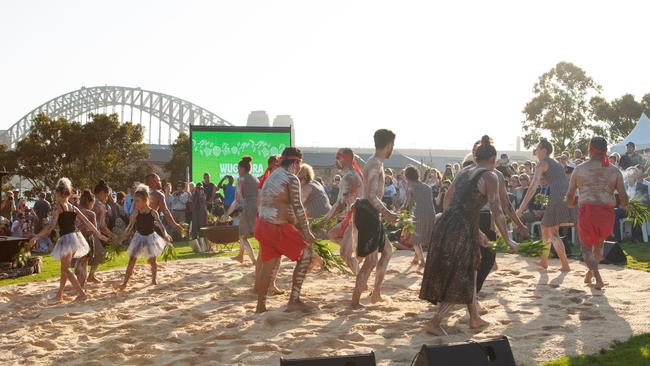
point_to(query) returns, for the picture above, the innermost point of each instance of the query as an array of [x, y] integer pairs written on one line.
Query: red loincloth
[[595, 223], [347, 219], [277, 240]]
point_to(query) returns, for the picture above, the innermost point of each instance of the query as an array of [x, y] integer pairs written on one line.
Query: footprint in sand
[[526, 277], [368, 327], [45, 343], [591, 315], [557, 327], [354, 337]]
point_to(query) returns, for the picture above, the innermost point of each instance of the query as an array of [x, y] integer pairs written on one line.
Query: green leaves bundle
[[637, 212], [321, 224], [541, 199], [169, 253], [531, 248], [405, 221], [330, 260], [113, 250]]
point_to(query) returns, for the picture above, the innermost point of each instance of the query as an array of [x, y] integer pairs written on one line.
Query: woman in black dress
[[454, 254]]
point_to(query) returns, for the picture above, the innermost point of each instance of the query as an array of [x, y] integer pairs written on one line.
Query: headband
[[350, 159], [603, 152]]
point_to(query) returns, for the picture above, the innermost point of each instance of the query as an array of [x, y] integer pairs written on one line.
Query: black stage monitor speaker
[[496, 352], [355, 360], [613, 254]]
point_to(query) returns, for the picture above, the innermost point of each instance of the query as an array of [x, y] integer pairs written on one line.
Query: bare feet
[[494, 267], [298, 305], [478, 323], [93, 279], [154, 281], [376, 297], [356, 306], [81, 298], [599, 285], [435, 329], [589, 276], [119, 287], [543, 263], [275, 291], [238, 258], [261, 308], [565, 269]]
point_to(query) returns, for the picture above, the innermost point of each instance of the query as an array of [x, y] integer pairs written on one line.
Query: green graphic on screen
[[218, 152]]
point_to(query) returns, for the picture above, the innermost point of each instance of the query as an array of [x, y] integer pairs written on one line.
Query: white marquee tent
[[640, 135]]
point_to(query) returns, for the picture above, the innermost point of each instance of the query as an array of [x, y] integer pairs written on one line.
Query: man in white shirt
[[179, 200]]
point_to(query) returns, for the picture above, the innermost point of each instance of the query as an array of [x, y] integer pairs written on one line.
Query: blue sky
[[441, 74]]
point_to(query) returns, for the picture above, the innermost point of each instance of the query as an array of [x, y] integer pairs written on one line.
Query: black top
[[66, 222], [144, 223]]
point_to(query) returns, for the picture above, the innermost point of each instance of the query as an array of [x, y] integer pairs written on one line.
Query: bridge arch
[[171, 115]]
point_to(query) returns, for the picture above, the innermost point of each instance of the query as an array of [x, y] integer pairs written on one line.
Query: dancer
[[421, 195], [99, 208], [95, 254], [556, 212], [488, 256], [367, 219], [146, 242], [157, 201], [350, 188], [280, 208], [314, 198], [247, 196], [71, 243], [273, 163], [454, 255], [597, 182]]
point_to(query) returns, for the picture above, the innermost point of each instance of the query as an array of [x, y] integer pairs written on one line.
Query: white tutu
[[71, 243], [148, 246]]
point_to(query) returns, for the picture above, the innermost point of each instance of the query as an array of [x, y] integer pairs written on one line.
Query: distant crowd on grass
[[195, 203]]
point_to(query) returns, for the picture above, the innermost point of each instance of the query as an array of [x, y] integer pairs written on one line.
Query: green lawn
[[638, 255], [633, 352], [51, 268]]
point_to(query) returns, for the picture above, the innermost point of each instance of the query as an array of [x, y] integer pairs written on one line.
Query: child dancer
[[94, 256], [71, 243], [146, 242]]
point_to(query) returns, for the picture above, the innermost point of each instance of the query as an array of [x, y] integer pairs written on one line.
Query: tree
[[560, 107], [180, 161], [102, 148], [620, 115]]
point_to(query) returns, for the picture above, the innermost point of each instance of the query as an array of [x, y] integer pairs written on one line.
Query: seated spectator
[[614, 159]]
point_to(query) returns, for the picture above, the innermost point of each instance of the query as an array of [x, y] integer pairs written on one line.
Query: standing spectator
[[128, 200], [199, 211], [42, 210], [229, 191], [401, 185], [16, 196], [210, 190], [334, 191], [614, 159], [440, 197], [528, 168], [577, 155], [8, 207], [502, 165], [631, 157], [448, 174], [389, 192], [178, 203]]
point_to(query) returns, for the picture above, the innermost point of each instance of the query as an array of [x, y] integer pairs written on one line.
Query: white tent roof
[[640, 135]]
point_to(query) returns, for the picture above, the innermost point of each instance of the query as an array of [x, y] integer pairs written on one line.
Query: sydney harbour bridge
[[163, 116]]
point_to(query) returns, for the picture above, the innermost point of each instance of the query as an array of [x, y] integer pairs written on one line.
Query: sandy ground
[[201, 313]]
